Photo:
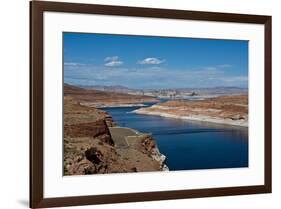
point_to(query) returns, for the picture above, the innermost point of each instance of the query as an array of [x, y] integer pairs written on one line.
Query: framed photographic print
[[139, 104]]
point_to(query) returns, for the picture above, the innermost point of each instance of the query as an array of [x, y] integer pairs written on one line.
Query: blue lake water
[[190, 145]]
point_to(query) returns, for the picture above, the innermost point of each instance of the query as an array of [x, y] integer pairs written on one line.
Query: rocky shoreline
[[150, 147]]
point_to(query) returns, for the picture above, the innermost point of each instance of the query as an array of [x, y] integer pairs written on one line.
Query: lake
[[189, 145]]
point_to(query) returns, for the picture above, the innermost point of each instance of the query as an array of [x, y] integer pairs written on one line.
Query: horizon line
[[80, 85]]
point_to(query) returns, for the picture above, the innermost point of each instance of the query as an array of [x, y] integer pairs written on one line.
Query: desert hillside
[[97, 98]]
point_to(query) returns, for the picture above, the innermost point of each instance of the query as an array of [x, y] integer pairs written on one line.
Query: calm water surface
[[190, 145]]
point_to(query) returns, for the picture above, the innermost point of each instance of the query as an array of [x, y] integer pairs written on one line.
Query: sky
[[148, 62]]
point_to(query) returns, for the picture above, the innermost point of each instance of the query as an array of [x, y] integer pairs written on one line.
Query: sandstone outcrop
[[93, 129]]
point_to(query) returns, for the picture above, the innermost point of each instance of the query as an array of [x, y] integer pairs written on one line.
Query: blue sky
[[145, 62]]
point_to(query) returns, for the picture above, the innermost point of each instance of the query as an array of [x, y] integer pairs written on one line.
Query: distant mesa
[[100, 98], [172, 93]]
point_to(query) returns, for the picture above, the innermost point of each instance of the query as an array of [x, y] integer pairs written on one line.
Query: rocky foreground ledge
[[230, 110], [93, 144]]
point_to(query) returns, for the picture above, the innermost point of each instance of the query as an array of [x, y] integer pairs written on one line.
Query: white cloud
[[112, 61], [150, 61]]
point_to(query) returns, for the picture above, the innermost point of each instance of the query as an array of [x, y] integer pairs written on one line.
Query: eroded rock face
[[98, 159], [108, 119], [148, 144], [150, 147], [94, 155], [81, 168], [93, 129], [145, 144], [94, 159]]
